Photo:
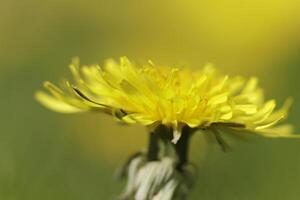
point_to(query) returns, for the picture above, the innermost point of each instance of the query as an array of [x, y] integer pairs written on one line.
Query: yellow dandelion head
[[175, 97]]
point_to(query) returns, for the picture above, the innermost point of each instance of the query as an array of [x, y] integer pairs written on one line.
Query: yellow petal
[[227, 116], [285, 130], [251, 85], [221, 98], [247, 109], [74, 68], [56, 104]]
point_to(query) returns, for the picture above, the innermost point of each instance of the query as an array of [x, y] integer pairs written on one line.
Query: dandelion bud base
[[163, 172]]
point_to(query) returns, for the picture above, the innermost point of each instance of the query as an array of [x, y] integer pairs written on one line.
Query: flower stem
[[163, 172], [182, 147], [163, 134]]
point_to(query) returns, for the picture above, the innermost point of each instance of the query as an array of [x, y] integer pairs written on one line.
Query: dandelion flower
[[173, 103]]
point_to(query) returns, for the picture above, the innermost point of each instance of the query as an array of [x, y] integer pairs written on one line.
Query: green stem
[[163, 134], [153, 147], [182, 147]]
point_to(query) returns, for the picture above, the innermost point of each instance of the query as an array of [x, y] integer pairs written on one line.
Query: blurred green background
[[46, 155]]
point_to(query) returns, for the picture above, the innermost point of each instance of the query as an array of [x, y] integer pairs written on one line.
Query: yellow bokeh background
[[47, 155]]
